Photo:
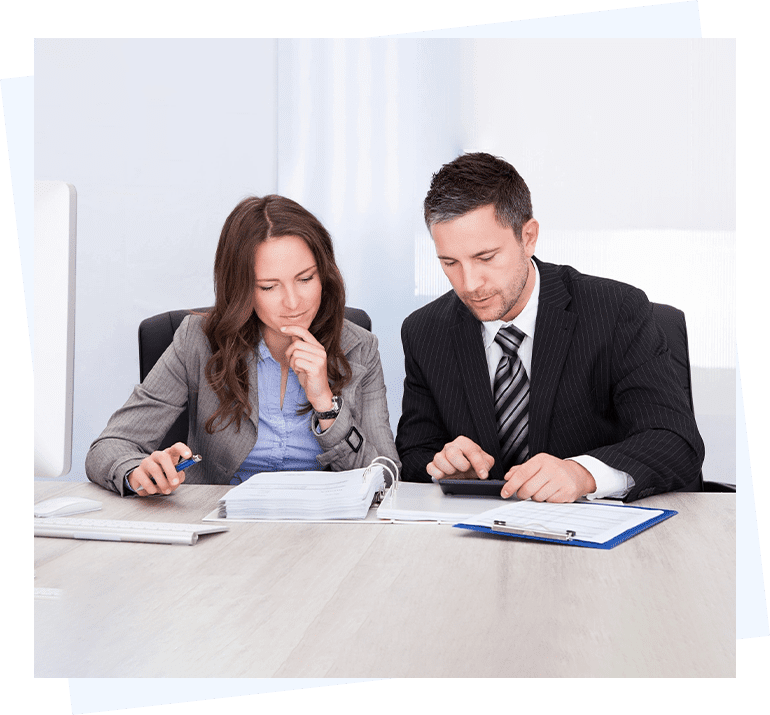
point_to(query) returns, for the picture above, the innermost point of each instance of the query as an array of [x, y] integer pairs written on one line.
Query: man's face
[[488, 267]]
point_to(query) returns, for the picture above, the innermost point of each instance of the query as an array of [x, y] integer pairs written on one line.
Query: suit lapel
[[472, 362], [554, 328]]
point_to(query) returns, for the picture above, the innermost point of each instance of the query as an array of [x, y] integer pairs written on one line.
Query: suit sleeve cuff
[[609, 482]]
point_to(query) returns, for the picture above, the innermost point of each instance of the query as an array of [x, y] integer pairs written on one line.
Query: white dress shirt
[[609, 482]]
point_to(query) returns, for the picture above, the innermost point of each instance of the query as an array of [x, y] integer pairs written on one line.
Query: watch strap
[[333, 412]]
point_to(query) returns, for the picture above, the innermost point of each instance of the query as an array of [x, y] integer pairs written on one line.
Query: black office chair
[[671, 321], [156, 334]]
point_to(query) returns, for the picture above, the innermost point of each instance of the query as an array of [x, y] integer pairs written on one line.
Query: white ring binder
[[308, 495]]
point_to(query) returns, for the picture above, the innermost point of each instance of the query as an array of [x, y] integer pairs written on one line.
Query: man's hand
[[548, 478], [462, 458]]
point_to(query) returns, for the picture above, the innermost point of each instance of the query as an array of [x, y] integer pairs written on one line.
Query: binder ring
[[393, 477], [392, 472]]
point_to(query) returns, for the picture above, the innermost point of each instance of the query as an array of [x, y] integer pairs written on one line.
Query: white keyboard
[[152, 532]]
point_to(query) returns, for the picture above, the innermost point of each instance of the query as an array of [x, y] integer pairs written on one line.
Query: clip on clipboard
[[501, 527]]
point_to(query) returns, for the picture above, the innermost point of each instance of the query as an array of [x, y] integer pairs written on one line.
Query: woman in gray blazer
[[274, 377]]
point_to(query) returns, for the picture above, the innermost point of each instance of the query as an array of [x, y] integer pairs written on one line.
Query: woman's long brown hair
[[232, 326]]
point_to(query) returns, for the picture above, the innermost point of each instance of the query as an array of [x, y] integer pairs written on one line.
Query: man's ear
[[529, 234]]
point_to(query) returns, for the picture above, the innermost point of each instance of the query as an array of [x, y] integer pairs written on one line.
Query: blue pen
[[179, 467], [188, 462]]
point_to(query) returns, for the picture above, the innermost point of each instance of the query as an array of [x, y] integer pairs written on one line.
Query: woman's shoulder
[[354, 336], [190, 334], [358, 344]]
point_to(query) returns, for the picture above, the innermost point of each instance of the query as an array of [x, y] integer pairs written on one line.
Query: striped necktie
[[511, 393]]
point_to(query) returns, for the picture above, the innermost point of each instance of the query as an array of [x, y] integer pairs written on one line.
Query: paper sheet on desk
[[426, 503], [597, 523]]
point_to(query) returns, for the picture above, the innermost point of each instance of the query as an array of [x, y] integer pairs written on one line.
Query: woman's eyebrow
[[273, 280]]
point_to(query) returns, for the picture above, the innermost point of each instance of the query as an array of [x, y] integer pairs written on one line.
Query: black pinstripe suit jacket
[[601, 384]]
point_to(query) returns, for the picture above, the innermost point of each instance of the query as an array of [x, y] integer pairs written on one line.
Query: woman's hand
[[160, 467], [307, 357]]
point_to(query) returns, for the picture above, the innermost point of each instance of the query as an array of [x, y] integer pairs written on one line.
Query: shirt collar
[[264, 352], [524, 321]]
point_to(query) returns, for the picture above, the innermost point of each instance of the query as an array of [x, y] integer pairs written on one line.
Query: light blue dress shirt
[[285, 441]]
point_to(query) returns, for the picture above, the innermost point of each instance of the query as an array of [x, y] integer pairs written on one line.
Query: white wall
[[628, 148], [161, 140]]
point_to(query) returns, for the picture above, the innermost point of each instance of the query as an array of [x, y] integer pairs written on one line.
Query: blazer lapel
[[472, 362], [554, 328], [253, 388]]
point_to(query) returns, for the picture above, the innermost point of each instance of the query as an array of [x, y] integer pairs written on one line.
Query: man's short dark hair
[[475, 180]]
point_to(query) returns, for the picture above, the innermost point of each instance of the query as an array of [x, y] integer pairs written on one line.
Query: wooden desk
[[385, 600]]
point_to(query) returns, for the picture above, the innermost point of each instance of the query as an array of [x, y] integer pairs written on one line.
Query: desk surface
[[385, 600]]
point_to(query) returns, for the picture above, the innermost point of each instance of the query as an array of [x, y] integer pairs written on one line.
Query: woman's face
[[288, 286]]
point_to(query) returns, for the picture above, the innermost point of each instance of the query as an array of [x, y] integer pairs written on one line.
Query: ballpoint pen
[[179, 467], [188, 462]]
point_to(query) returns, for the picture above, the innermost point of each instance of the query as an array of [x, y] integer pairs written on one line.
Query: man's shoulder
[[437, 315], [585, 289]]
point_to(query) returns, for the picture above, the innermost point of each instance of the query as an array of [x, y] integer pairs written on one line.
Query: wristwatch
[[333, 412]]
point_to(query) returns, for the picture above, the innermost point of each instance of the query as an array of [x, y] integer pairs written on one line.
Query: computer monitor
[[53, 327]]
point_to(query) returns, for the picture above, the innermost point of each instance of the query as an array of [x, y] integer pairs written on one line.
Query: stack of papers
[[304, 495]]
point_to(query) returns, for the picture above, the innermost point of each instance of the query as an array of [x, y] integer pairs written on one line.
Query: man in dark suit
[[557, 382]]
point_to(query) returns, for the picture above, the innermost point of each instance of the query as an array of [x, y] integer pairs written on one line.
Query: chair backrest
[[156, 334], [671, 321]]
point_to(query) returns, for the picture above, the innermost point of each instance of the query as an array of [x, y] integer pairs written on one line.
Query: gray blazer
[[360, 432]]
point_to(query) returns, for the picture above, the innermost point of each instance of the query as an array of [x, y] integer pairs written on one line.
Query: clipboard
[[568, 536]]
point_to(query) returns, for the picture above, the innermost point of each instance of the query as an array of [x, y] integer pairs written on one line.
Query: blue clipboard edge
[[611, 544]]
